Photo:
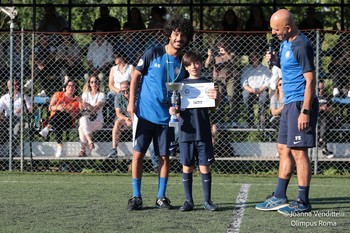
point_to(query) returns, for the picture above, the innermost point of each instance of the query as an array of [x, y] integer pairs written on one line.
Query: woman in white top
[[120, 72], [92, 102]]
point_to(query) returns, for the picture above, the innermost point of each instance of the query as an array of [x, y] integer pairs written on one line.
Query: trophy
[[174, 88]]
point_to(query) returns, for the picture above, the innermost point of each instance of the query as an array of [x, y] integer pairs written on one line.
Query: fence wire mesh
[[244, 127]]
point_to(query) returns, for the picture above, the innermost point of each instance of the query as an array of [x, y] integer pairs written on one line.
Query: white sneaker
[[66, 78], [29, 84], [336, 92], [42, 93], [58, 151], [44, 132]]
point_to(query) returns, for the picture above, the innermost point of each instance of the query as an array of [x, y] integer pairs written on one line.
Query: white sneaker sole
[[272, 208]]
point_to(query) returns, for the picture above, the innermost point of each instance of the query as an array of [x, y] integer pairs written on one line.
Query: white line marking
[[146, 182], [238, 212]]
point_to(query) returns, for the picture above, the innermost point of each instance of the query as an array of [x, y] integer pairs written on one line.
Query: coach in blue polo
[[297, 130]]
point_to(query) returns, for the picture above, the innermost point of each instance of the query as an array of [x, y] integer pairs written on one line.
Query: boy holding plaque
[[195, 137]]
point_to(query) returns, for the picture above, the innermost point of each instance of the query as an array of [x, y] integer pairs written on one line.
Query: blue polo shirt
[[297, 58], [157, 68]]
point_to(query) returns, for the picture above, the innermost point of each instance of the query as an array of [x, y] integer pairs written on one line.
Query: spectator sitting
[[52, 22], [257, 20], [311, 22], [18, 109], [119, 73], [257, 23], [255, 81], [230, 21], [325, 120], [276, 74], [45, 69], [92, 103], [339, 68], [226, 75], [64, 108], [276, 105], [123, 121], [99, 55], [123, 118], [17, 53], [106, 23], [135, 21], [68, 56], [157, 20]]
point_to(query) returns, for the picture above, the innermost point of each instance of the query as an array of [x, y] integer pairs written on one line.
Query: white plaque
[[195, 95]]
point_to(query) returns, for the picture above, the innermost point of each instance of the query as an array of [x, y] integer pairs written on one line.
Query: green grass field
[[97, 203]]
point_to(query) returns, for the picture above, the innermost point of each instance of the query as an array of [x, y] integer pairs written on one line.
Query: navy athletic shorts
[[147, 131], [289, 134], [199, 151]]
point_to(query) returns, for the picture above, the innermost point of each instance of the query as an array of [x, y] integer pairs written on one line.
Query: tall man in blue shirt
[[157, 66], [297, 130]]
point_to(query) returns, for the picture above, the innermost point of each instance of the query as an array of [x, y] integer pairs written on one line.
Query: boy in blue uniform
[[157, 66], [297, 131], [195, 138]]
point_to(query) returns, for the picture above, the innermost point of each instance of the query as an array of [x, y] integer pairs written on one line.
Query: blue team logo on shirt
[[287, 54], [177, 70]]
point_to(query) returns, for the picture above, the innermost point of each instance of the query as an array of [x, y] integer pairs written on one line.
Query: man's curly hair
[[180, 24]]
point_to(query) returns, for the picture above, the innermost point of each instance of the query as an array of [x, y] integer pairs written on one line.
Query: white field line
[[153, 182], [238, 211]]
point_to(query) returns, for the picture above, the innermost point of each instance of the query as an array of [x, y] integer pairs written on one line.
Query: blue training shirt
[[157, 68], [297, 58]]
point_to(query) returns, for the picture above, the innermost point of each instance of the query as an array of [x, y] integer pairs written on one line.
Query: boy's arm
[[135, 77]]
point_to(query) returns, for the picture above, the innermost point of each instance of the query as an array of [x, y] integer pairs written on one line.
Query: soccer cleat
[[58, 151], [113, 153], [187, 206], [135, 203], [44, 132], [272, 203], [297, 206], [163, 203], [209, 205]]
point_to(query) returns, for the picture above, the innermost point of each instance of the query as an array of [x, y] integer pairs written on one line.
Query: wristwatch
[[305, 111]]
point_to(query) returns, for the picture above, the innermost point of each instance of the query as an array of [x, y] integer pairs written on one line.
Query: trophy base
[[173, 124]]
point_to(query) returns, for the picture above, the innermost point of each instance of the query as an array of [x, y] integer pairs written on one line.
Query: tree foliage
[[82, 17]]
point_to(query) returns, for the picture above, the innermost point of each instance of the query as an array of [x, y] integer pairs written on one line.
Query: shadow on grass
[[331, 200]]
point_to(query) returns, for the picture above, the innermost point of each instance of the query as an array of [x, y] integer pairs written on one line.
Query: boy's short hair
[[191, 56]]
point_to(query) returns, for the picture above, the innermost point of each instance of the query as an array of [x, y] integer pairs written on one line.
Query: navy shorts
[[289, 134], [147, 131], [200, 151]]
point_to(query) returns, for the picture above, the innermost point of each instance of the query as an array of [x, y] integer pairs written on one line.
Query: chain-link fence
[[35, 138]]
